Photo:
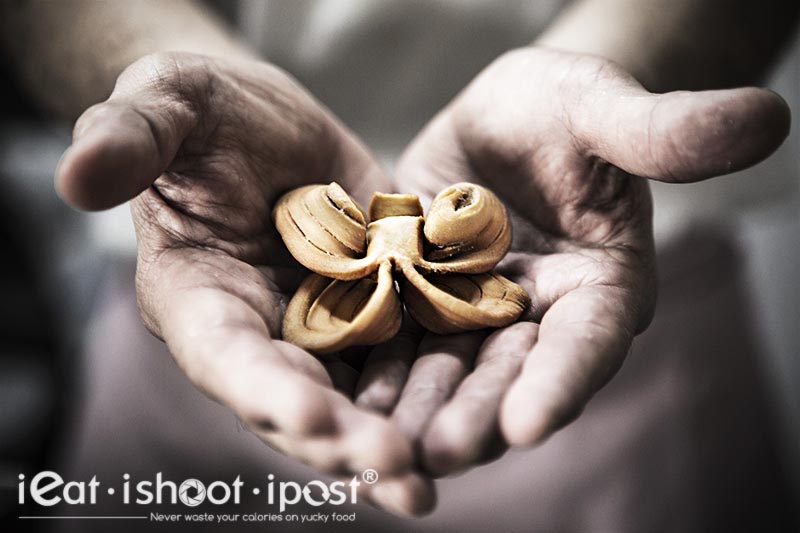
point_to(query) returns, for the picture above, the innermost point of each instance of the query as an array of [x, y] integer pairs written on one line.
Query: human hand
[[567, 141], [205, 147]]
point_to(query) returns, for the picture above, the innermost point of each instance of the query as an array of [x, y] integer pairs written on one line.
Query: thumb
[[122, 145], [682, 136]]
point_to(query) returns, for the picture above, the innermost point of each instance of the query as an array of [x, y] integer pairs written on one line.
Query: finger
[[387, 367], [466, 429], [303, 363], [218, 335], [122, 145], [344, 376], [442, 362], [411, 494], [360, 441], [679, 136], [583, 339], [225, 349], [223, 346]]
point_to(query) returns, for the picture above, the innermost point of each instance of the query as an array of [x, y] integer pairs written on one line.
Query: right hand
[[204, 147], [568, 142]]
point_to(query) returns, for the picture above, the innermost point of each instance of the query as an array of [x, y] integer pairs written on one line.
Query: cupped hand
[[568, 143], [204, 147]]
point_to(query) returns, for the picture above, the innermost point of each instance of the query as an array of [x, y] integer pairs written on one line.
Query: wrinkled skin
[[567, 142], [211, 144]]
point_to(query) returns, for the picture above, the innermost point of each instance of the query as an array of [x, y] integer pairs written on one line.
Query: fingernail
[[57, 173], [389, 495], [61, 159]]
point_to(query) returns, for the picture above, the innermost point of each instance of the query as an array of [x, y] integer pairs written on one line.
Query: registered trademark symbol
[[369, 476]]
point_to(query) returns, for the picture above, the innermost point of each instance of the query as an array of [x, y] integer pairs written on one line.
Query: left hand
[[567, 142]]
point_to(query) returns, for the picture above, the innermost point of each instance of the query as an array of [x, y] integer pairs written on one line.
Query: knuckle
[[177, 78]]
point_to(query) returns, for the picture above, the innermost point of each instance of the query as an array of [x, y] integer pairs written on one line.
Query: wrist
[[68, 55], [678, 44], [615, 39]]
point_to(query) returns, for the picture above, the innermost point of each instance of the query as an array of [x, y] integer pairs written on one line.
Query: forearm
[[679, 44], [69, 54]]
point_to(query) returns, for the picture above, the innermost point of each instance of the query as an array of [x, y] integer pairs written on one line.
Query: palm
[[205, 222], [582, 237], [585, 226], [579, 221]]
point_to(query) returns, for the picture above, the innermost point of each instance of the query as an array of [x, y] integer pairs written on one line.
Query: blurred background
[[730, 293]]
